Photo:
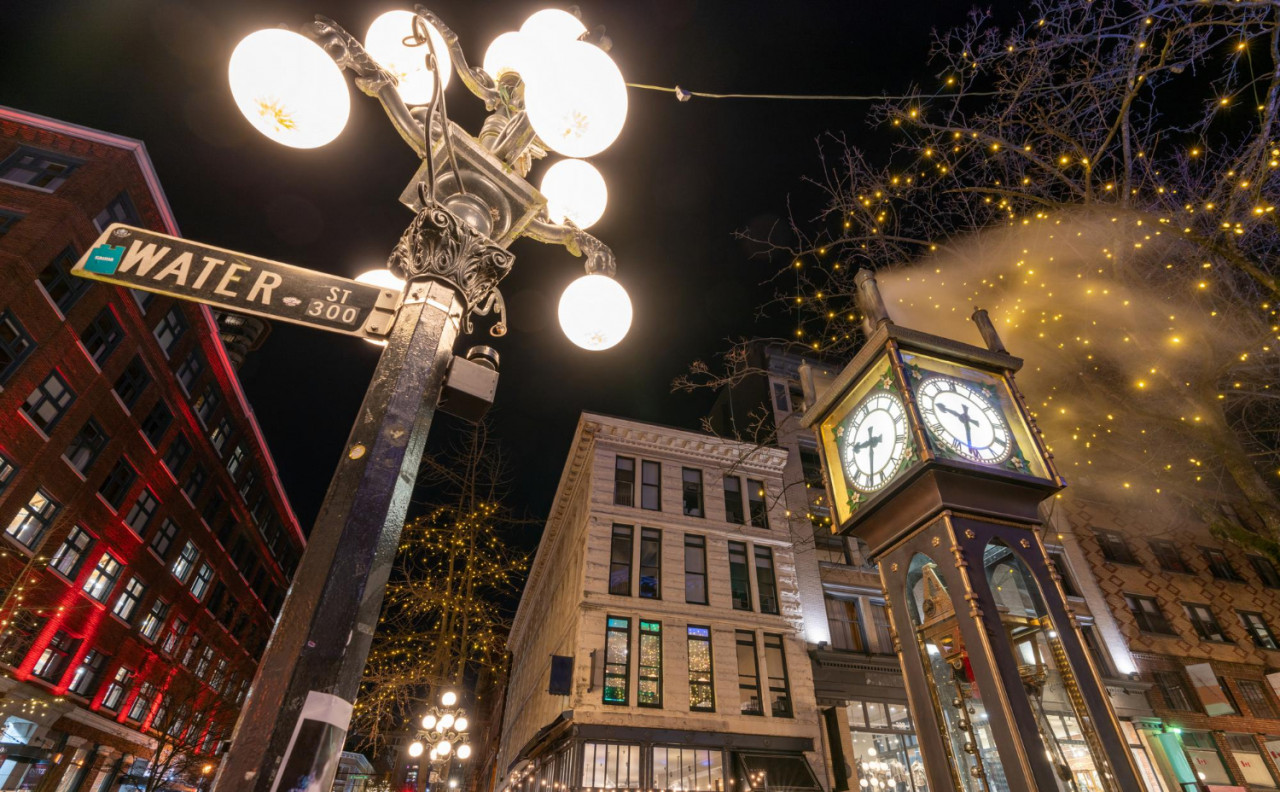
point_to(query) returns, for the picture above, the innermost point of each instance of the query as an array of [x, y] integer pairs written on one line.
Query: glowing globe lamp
[[415, 749], [595, 312], [443, 747], [449, 698], [510, 52], [464, 751], [428, 722], [385, 42], [446, 721], [577, 99], [461, 724], [575, 191], [289, 88], [552, 24]]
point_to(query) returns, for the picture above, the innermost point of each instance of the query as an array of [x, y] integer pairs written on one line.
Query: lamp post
[[443, 736], [547, 90]]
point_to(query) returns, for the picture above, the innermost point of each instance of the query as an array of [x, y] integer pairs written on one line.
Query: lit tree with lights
[[1102, 178], [447, 611]]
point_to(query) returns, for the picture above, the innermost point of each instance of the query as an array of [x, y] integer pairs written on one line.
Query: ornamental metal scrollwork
[[438, 245]]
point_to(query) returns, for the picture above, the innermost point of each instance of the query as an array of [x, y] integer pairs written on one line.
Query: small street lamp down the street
[[442, 737], [548, 88]]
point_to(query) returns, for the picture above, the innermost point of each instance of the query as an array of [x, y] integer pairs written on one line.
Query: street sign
[[142, 259]]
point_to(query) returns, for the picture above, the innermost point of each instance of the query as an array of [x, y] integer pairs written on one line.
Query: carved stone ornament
[[969, 534], [1024, 542], [437, 245], [935, 541]]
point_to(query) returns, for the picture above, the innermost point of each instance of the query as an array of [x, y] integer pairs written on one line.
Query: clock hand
[[968, 423]]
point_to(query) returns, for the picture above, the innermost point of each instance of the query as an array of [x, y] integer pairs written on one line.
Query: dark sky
[[682, 178]]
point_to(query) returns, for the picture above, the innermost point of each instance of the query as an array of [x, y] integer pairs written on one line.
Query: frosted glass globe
[[595, 312], [385, 42], [428, 722], [553, 24], [576, 97], [444, 747], [415, 749], [464, 751], [510, 52], [449, 698], [575, 191], [289, 88], [461, 724], [446, 721]]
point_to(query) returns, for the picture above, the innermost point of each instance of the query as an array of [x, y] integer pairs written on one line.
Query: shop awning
[[777, 772]]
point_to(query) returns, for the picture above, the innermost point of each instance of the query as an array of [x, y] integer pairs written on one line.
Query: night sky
[[682, 179]]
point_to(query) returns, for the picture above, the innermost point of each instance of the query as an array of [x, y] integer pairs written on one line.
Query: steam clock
[[933, 460]]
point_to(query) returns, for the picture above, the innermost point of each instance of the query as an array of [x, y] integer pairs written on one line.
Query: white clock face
[[876, 442], [964, 418]]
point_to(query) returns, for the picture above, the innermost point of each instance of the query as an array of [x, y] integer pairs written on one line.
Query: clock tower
[[934, 461]]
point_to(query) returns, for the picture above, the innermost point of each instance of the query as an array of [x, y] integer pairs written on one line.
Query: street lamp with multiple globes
[[547, 89], [443, 736]]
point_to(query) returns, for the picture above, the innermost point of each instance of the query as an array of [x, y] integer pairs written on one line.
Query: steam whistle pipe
[[870, 303], [988, 330]]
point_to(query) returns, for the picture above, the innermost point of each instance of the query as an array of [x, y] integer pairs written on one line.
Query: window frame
[[623, 626], [162, 539], [747, 638], [780, 646], [1259, 631], [1266, 570], [170, 329], [735, 583], [698, 544], [132, 382], [757, 504], [42, 397], [624, 481], [130, 597], [1205, 625], [691, 485], [758, 553], [734, 508], [58, 561], [710, 682], [621, 546], [63, 289], [1115, 547], [648, 487], [650, 542], [1219, 564], [1168, 557], [143, 510], [101, 336], [26, 517], [90, 447], [110, 573], [652, 630], [66, 166], [1144, 621], [18, 347]]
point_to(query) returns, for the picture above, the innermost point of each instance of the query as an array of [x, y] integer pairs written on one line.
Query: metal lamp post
[[546, 89], [443, 736]]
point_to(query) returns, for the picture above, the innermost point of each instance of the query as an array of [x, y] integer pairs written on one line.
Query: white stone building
[[659, 643]]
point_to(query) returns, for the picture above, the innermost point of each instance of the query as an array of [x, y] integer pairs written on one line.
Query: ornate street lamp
[[443, 736], [547, 90]]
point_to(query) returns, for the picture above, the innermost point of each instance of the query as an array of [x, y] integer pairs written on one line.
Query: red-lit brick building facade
[[147, 542]]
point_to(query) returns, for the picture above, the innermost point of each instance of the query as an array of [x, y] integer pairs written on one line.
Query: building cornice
[[718, 451]]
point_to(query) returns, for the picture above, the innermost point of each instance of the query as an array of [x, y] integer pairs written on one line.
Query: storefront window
[[1205, 761], [1248, 755], [886, 760], [687, 769], [1150, 778], [610, 766]]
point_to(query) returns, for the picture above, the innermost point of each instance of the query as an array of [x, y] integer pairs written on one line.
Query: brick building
[[658, 644], [147, 543]]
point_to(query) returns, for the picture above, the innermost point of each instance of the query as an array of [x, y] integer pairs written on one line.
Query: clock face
[[965, 419], [875, 444]]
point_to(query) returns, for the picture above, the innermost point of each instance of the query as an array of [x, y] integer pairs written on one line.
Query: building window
[[190, 370], [235, 460], [1114, 547], [692, 488], [649, 677], [748, 674], [72, 552], [33, 519], [142, 701], [170, 329], [174, 636], [1204, 622], [246, 484], [37, 168], [1146, 611], [617, 655], [185, 562], [220, 435], [695, 569], [1219, 565], [103, 577], [1254, 693], [1168, 556], [141, 512], [733, 511], [775, 663], [219, 675], [112, 699], [206, 404], [205, 661], [650, 486], [651, 563], [84, 682], [62, 287], [195, 482], [690, 769], [620, 560], [176, 455], [46, 405], [86, 445], [15, 344], [132, 382], [1258, 630], [154, 620], [7, 470], [756, 502], [739, 577], [766, 582], [130, 596], [200, 585], [164, 537], [7, 221], [117, 483], [1059, 560], [120, 210], [1248, 755], [846, 625], [157, 423], [53, 660], [702, 696], [610, 766], [624, 481], [1266, 571], [1174, 689], [101, 336]]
